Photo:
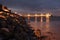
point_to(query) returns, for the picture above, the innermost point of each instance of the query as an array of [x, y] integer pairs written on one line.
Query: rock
[[14, 27]]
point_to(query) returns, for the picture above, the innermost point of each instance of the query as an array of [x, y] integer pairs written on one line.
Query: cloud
[[32, 5]]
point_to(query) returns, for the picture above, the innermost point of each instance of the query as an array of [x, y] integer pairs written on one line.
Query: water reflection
[[45, 28], [47, 25], [46, 31]]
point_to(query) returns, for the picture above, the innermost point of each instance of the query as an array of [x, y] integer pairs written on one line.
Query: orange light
[[28, 15], [41, 15], [36, 15], [47, 15]]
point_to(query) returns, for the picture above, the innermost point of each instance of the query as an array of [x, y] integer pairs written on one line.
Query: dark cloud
[[32, 5]]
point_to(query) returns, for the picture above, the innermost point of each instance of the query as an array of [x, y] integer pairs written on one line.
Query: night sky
[[52, 6]]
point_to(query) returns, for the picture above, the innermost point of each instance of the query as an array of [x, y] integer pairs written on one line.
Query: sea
[[49, 28]]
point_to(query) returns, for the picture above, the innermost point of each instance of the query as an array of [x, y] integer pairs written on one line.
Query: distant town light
[[36, 15], [28, 15], [47, 15], [41, 15]]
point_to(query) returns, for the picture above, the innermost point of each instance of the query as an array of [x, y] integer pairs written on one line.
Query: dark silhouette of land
[[14, 27]]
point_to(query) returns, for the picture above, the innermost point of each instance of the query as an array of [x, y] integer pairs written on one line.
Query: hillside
[[14, 27]]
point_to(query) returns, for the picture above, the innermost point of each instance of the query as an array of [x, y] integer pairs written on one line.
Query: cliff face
[[13, 26]]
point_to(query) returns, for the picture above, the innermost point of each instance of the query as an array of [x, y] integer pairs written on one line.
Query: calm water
[[53, 28]]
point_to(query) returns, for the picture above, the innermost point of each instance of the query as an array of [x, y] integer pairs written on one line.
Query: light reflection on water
[[47, 27]]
